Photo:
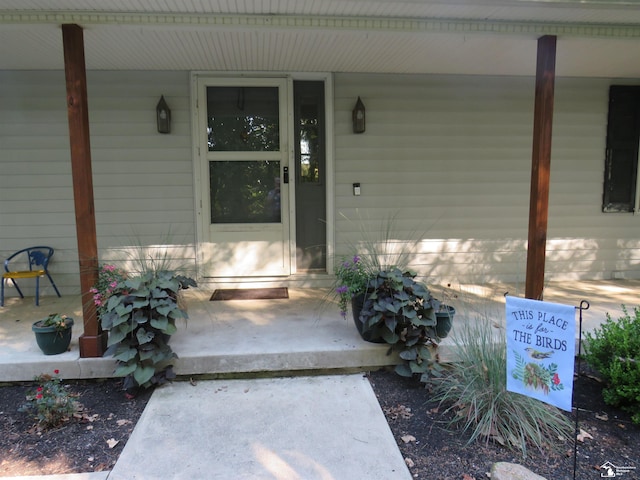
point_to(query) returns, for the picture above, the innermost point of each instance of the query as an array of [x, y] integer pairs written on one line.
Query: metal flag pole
[[584, 305]]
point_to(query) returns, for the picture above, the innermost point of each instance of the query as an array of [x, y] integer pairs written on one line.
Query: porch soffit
[[373, 24], [496, 37]]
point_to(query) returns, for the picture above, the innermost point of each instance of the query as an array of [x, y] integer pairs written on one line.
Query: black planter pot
[[356, 307], [444, 319]]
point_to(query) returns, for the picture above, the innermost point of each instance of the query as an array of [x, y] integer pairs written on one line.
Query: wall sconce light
[[358, 117], [163, 114]]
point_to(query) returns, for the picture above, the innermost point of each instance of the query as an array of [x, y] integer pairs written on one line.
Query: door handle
[[285, 176]]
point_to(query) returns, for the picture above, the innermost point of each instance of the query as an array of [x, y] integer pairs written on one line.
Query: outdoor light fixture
[[358, 117], [163, 114]]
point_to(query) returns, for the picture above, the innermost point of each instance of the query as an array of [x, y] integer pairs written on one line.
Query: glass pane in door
[[243, 119], [309, 144], [245, 191]]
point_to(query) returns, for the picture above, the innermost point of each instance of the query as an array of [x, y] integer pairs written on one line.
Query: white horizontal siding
[[36, 198], [143, 181], [449, 157]]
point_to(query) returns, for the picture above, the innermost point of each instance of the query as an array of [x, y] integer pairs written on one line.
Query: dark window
[[243, 119], [311, 200], [245, 191], [621, 162]]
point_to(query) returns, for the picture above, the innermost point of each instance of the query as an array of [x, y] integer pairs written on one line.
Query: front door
[[244, 177]]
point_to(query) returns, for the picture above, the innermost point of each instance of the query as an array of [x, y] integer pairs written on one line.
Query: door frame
[[201, 196]]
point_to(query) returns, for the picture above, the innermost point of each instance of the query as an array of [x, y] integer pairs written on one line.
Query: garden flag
[[540, 350]]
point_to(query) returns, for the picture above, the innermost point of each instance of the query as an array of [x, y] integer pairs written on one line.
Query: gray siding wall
[[143, 181], [449, 159]]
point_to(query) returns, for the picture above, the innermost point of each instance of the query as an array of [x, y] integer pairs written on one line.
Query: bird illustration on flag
[[536, 355]]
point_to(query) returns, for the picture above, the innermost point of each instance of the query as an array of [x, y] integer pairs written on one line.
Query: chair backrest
[[37, 256]]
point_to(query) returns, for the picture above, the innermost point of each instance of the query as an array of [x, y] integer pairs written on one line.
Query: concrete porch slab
[[296, 334], [233, 337]]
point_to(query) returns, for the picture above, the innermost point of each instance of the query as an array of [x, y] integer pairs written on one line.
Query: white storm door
[[244, 171]]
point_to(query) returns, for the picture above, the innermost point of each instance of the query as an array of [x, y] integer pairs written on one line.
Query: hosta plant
[[402, 311], [140, 317]]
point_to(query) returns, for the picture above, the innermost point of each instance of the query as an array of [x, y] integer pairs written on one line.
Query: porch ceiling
[[595, 38]]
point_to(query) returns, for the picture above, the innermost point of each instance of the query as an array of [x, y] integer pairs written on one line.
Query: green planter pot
[[50, 340], [444, 319]]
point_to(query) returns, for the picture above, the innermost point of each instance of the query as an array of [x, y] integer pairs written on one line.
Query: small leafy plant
[[474, 389], [50, 403], [402, 312], [613, 350], [140, 318], [59, 322]]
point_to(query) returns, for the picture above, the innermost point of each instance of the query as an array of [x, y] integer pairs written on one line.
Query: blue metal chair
[[37, 259]]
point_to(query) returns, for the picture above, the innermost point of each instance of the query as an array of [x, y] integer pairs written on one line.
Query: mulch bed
[[433, 452], [86, 444]]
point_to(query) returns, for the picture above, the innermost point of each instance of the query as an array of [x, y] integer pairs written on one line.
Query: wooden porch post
[[93, 341], [540, 166]]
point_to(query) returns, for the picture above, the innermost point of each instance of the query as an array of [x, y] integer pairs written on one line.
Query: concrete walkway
[[296, 428], [306, 428]]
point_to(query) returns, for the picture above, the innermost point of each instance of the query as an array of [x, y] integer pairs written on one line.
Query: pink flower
[[39, 389], [113, 284], [555, 379], [39, 396], [56, 371]]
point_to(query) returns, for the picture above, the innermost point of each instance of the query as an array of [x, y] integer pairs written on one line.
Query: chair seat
[[24, 274]]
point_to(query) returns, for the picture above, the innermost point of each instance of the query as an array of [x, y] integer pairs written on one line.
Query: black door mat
[[249, 293]]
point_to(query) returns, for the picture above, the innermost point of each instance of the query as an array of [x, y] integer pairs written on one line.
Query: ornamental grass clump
[[475, 391], [50, 403]]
